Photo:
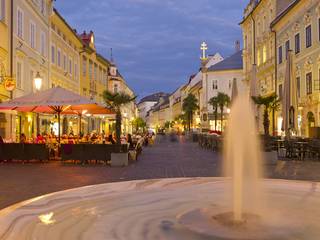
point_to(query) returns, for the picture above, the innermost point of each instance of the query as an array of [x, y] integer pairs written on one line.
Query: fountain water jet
[[242, 159]]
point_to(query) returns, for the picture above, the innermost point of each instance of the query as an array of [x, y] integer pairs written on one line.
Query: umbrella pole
[[80, 117], [59, 126]]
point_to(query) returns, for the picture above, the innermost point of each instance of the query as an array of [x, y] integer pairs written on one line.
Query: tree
[[181, 119], [115, 101], [168, 124], [267, 102], [189, 106], [138, 123], [215, 105], [223, 101]]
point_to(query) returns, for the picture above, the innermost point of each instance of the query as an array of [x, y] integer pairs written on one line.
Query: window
[[19, 74], [32, 78], [297, 43], [115, 88], [215, 84], [280, 91], [298, 86], [258, 57], [70, 66], [280, 54], [20, 23], [53, 54], [95, 73], [264, 54], [309, 83], [43, 7], [42, 43], [308, 37], [319, 28], [84, 66], [2, 10], [64, 62], [90, 70], [287, 48], [59, 57], [32, 35], [230, 84], [76, 71]]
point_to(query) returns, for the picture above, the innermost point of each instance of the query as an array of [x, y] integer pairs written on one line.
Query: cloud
[[156, 42]]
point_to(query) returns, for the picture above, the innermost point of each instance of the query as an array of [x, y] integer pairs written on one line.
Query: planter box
[[271, 157], [119, 159]]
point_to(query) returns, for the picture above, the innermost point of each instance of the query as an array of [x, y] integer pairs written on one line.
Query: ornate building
[[259, 52], [4, 64], [64, 54], [298, 29]]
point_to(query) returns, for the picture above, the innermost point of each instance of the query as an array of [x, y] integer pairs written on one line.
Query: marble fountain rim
[[10, 209]]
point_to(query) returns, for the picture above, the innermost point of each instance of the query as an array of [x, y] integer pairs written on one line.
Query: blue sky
[[156, 42]]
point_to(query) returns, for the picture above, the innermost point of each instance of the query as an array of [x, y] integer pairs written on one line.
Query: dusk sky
[[156, 42]]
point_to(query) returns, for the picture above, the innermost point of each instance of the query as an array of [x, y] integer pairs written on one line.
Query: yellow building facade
[[4, 64], [259, 48], [116, 83], [298, 30], [65, 46]]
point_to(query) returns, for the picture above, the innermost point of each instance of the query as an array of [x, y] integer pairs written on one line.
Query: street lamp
[[38, 81], [38, 84]]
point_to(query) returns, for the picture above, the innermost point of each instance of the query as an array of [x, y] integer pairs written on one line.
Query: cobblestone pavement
[[165, 159]]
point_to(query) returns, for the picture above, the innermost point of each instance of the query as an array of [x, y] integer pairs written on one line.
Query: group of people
[[93, 138]]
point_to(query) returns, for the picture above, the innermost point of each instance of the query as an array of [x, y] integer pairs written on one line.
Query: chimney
[[237, 46]]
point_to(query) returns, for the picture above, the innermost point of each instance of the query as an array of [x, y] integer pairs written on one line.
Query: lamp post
[[38, 85]]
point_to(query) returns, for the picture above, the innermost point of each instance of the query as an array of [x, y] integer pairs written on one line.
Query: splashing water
[[242, 163]]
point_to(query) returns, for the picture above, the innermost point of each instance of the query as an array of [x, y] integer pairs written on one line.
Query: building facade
[[65, 46], [30, 57], [4, 64], [220, 78], [298, 29]]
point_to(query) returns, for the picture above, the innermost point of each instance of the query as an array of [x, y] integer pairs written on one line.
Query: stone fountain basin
[[152, 209]]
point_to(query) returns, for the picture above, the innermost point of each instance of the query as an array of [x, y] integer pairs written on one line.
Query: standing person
[[129, 141]]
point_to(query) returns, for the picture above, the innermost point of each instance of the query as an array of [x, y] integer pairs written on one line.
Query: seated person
[[111, 140], [23, 138]]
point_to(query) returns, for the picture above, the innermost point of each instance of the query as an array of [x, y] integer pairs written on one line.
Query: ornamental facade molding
[[296, 27], [308, 64], [318, 9], [307, 18], [298, 70]]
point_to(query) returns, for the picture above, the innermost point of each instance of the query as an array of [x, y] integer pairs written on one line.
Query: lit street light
[[38, 85]]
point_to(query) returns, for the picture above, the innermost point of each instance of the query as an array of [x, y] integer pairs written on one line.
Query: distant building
[[220, 78], [148, 102]]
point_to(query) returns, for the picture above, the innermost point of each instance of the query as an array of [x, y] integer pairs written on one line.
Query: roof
[[233, 62], [153, 98], [161, 105], [256, 4], [86, 37], [67, 24], [103, 58], [284, 12]]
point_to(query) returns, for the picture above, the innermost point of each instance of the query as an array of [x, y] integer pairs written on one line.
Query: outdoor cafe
[[77, 147]]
